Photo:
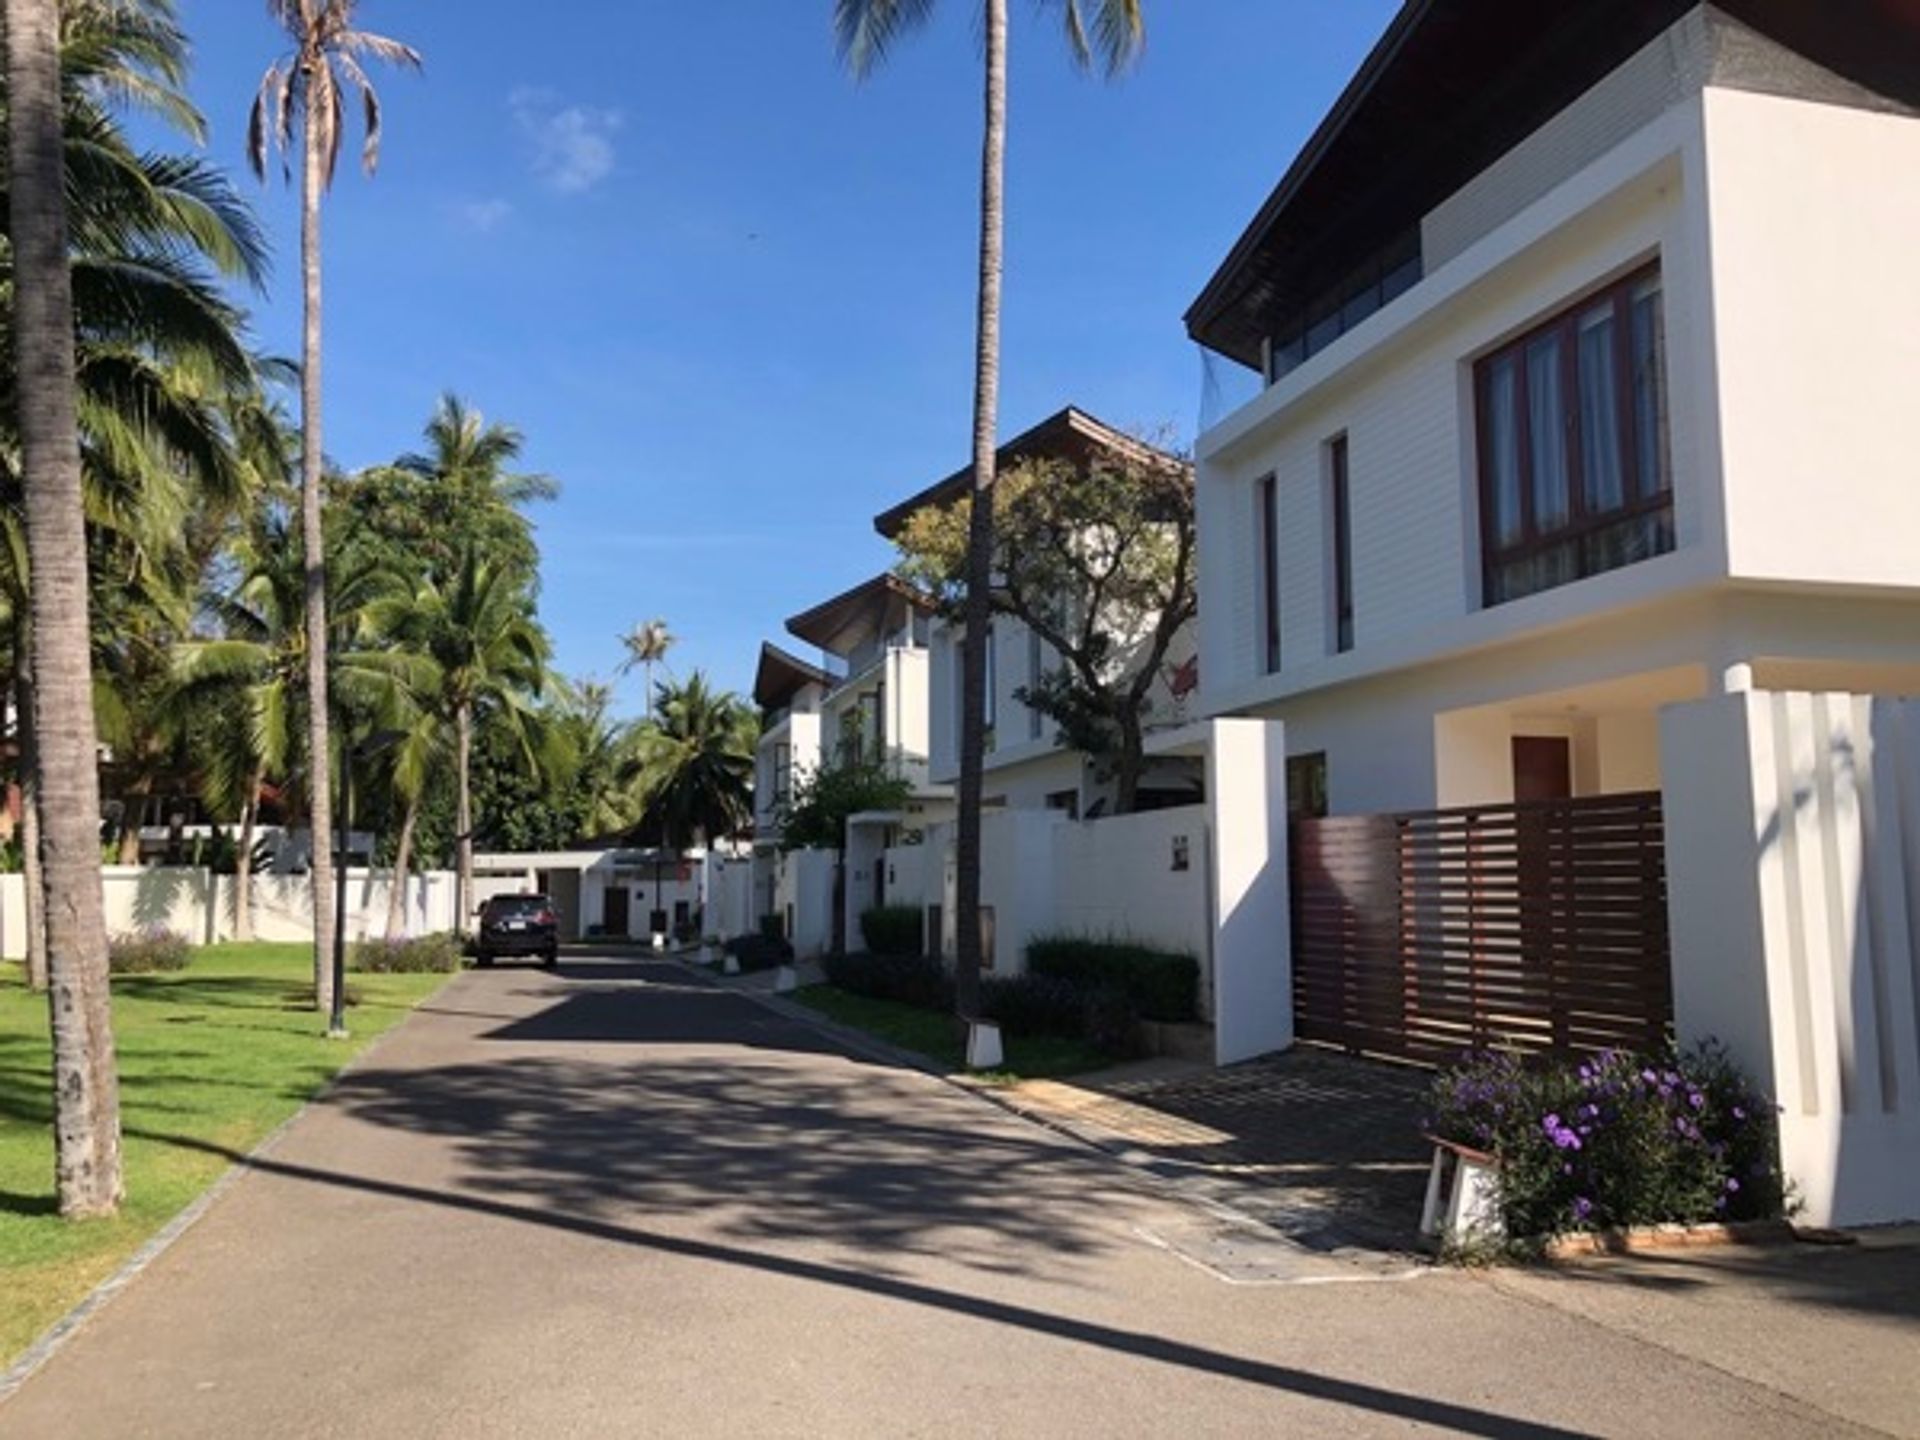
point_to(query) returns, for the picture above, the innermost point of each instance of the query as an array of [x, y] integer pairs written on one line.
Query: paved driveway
[[614, 1201]]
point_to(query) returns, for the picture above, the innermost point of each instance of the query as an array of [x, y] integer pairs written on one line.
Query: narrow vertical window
[[993, 682], [1340, 510], [1268, 522]]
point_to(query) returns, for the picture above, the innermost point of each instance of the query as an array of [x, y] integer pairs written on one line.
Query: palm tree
[[305, 88], [867, 30], [159, 353], [490, 654], [260, 660], [646, 645], [86, 1092], [692, 766]]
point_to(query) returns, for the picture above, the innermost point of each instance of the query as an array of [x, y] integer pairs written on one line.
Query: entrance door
[[1542, 768], [615, 920]]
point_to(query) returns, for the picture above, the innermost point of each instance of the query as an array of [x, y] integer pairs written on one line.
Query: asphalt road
[[616, 1201]]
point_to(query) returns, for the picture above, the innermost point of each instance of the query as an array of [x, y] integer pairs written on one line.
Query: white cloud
[[482, 215], [571, 145]]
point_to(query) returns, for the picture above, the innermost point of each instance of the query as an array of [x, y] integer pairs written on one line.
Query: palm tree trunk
[[313, 540], [986, 415], [402, 865], [463, 816], [30, 873], [86, 1092], [243, 864]]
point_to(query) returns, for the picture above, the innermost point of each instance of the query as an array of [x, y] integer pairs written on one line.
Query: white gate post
[[1253, 934]]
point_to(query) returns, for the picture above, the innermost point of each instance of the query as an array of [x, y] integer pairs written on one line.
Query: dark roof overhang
[[781, 676], [841, 625]]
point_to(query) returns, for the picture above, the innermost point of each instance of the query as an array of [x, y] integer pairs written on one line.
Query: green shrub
[[916, 980], [416, 955], [891, 929], [759, 952], [145, 952], [1159, 985], [1616, 1140]]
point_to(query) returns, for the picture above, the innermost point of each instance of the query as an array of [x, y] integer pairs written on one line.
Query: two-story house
[[1589, 337], [789, 692], [867, 705], [1027, 766], [1584, 474]]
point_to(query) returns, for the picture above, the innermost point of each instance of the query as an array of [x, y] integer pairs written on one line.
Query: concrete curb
[[1151, 1171], [97, 1299]]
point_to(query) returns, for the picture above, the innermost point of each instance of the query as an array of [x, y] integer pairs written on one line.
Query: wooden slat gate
[[1532, 927]]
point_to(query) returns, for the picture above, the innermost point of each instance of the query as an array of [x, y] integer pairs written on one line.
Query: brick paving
[[1323, 1147]]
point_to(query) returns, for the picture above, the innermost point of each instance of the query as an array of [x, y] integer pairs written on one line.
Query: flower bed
[[152, 951], [437, 954], [1617, 1141]]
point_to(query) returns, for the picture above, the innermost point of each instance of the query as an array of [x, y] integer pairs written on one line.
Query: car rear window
[[518, 907]]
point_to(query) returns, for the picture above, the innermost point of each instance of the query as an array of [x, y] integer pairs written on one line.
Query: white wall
[[200, 905], [1793, 853], [803, 893], [1817, 317], [1115, 878]]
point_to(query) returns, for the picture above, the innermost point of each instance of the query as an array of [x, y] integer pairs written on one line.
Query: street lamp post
[[377, 743]]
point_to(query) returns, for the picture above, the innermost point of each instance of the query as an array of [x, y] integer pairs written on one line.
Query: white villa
[[873, 707], [1569, 550], [1612, 412]]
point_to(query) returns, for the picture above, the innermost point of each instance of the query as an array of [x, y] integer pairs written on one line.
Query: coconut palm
[[304, 90], [158, 349], [1114, 32], [260, 662], [86, 1122], [646, 645], [490, 655], [692, 765]]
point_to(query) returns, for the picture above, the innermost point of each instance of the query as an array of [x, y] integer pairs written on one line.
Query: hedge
[[891, 929], [437, 954], [1159, 985], [147, 952]]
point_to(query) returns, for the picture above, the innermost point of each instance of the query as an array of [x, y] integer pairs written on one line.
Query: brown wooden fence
[[1535, 927]]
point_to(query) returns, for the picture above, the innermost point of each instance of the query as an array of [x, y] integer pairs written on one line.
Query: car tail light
[[545, 917]]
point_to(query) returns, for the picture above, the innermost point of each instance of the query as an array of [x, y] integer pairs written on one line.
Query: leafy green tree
[[304, 91], [867, 31], [815, 816], [1098, 561], [459, 492]]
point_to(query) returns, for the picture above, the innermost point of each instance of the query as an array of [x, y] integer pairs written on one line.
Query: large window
[[782, 773], [1267, 526], [1574, 475]]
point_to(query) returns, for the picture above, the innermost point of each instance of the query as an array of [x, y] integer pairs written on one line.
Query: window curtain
[[1503, 451], [1547, 431], [1603, 480]]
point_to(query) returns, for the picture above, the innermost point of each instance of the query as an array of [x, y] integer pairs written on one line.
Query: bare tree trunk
[[402, 864], [86, 1091], [132, 812], [243, 865], [1130, 764], [977, 612], [313, 540], [463, 817], [31, 877]]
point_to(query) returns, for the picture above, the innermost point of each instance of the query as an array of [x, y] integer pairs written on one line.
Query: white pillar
[[1252, 919], [1794, 891]]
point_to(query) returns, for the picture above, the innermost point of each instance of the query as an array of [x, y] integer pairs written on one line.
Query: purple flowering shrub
[[148, 951], [1616, 1139]]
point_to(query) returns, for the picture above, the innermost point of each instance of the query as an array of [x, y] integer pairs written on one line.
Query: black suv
[[519, 925]]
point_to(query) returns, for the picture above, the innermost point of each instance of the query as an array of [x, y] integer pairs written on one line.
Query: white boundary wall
[[1793, 853], [200, 905]]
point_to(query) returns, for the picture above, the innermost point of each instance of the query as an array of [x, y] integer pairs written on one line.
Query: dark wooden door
[[1542, 768], [614, 920]]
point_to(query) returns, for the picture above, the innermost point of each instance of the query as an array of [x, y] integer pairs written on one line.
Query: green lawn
[[936, 1036], [219, 1054]]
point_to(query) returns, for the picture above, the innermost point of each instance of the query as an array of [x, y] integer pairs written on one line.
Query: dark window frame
[[1643, 497], [1307, 785], [1267, 516], [1340, 537]]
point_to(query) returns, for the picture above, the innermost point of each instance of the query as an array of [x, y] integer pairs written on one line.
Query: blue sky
[[728, 293]]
